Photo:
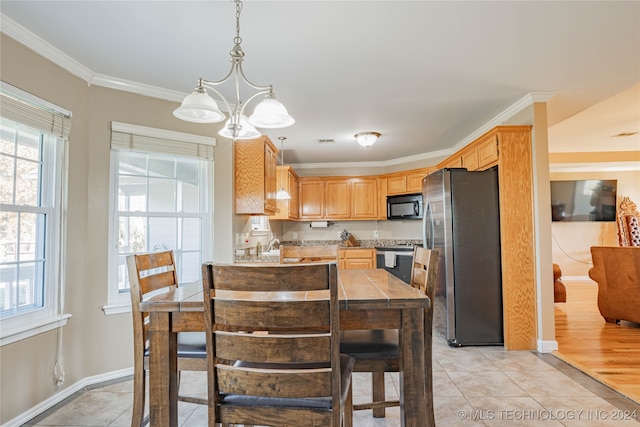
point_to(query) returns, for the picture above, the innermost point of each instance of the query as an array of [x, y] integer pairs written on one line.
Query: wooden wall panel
[[515, 171]]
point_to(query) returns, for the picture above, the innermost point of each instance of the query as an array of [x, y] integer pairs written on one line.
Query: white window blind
[[22, 107], [150, 140]]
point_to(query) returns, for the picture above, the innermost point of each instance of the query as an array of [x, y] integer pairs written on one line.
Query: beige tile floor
[[473, 386]]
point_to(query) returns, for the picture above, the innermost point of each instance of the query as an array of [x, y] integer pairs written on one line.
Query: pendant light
[[282, 194], [200, 107]]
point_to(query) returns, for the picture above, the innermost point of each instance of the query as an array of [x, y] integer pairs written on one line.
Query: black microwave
[[404, 207]]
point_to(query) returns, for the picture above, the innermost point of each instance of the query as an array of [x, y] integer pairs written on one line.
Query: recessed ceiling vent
[[621, 134], [326, 141]]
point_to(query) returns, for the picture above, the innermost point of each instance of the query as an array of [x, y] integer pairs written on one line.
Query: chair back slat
[[268, 278], [269, 315], [276, 348], [292, 383]]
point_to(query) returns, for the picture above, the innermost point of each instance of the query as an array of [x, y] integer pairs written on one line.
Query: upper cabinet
[[364, 198], [337, 199], [287, 179], [346, 198], [407, 182], [479, 155], [311, 199], [255, 176]]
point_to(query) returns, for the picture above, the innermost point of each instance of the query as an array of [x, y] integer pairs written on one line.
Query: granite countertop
[[241, 258]]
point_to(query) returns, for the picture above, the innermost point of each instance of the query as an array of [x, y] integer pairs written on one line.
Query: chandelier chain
[[238, 39]]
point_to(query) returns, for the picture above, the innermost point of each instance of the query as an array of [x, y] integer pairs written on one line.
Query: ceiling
[[427, 75]]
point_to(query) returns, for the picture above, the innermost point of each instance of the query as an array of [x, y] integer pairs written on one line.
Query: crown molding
[[384, 163], [633, 166], [48, 51]]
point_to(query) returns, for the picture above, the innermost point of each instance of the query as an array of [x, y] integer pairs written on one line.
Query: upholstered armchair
[[616, 269], [559, 290], [628, 223]]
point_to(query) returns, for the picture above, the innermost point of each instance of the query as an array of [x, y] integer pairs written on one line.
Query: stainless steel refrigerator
[[461, 219]]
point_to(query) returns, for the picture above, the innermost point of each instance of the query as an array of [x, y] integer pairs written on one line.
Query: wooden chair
[[306, 254], [377, 351], [628, 223], [273, 346], [150, 273]]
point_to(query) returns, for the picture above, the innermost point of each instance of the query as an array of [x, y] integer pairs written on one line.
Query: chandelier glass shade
[[367, 139], [200, 107]]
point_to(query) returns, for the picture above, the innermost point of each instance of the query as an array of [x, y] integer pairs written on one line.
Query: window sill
[[26, 331], [117, 308]]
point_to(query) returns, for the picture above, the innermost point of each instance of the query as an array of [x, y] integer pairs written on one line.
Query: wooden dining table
[[369, 299]]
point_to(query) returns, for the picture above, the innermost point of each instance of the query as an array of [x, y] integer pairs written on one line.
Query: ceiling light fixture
[[367, 139], [282, 194], [199, 107]]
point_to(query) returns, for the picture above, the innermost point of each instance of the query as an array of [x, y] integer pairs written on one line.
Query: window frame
[[118, 301], [53, 187]]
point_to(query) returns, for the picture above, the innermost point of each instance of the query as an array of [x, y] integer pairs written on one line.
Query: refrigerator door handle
[[427, 228]]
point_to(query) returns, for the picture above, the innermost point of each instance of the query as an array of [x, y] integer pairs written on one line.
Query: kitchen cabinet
[[364, 198], [479, 155], [351, 259], [311, 194], [408, 182], [470, 159], [337, 197], [255, 176], [382, 198], [487, 152], [287, 178]]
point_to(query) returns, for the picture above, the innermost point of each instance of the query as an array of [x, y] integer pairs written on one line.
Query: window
[[32, 190], [161, 200]]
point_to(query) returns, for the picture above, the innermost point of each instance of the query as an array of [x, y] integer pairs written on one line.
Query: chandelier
[[199, 107]]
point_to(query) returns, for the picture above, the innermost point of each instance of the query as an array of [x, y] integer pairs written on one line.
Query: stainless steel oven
[[397, 260]]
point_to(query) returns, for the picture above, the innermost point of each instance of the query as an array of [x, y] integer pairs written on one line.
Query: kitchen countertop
[[364, 244]]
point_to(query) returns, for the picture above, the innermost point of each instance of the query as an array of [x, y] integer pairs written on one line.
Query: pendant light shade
[[271, 114], [243, 131], [199, 107]]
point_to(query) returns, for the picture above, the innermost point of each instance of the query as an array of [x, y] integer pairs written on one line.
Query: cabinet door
[[414, 181], [354, 264], [287, 179], [382, 198], [364, 198], [396, 184], [311, 199], [294, 207], [470, 159], [255, 176], [488, 151], [270, 175], [337, 199]]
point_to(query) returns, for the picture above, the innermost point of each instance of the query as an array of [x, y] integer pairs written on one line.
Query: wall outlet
[[375, 233], [295, 236]]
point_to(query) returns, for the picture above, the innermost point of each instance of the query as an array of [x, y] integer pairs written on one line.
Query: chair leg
[[347, 419], [378, 392], [139, 390]]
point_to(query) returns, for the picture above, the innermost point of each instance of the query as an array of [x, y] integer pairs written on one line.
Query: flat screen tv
[[584, 200]]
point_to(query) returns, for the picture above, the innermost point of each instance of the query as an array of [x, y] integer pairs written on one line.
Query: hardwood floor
[[607, 352]]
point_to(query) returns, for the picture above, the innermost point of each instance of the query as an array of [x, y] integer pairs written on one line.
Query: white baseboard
[[547, 346], [63, 394]]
